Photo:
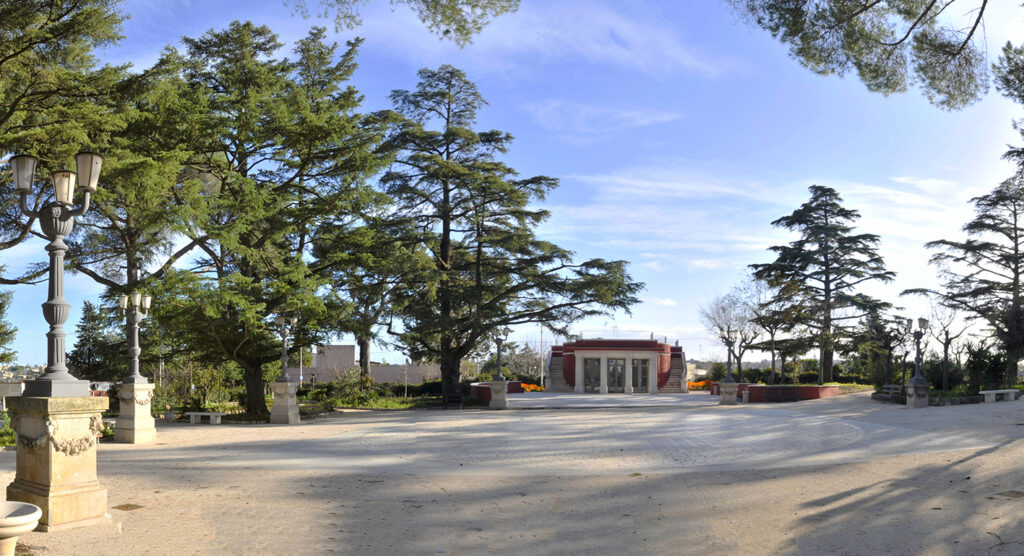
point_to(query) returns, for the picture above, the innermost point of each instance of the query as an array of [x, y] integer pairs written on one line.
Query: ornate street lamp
[[922, 327], [56, 220], [730, 339], [500, 335], [139, 310], [286, 325]]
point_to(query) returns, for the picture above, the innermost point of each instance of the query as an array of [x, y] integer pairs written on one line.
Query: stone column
[[629, 374], [135, 423], [56, 459], [728, 390], [917, 393], [604, 374], [286, 409], [499, 394], [652, 376], [579, 373]]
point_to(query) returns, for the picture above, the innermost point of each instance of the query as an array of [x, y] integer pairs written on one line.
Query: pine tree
[[97, 355], [824, 268], [475, 217], [7, 331]]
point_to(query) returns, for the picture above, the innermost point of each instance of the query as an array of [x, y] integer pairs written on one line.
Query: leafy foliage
[[823, 269], [889, 44], [473, 215], [7, 331], [457, 20]]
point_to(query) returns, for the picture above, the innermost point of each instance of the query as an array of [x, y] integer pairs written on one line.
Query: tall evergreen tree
[[475, 215], [7, 331], [982, 274], [280, 151], [98, 354], [53, 94], [824, 268]]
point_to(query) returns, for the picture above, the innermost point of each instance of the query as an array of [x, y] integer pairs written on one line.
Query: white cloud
[[579, 122], [551, 31], [654, 265], [663, 301]]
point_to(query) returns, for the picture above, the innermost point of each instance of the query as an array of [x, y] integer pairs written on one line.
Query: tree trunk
[[255, 401], [771, 379], [364, 355], [739, 368], [451, 387], [825, 370]]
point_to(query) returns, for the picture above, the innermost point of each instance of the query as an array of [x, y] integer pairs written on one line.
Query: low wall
[[762, 393], [482, 390]]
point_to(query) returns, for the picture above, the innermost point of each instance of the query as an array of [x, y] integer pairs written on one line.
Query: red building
[[617, 367]]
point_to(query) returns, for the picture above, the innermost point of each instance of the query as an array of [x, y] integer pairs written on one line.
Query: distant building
[[617, 366], [330, 362], [413, 374]]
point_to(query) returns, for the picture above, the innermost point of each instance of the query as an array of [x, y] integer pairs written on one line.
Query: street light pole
[[286, 329], [730, 340], [139, 310], [922, 326], [499, 338], [56, 220]]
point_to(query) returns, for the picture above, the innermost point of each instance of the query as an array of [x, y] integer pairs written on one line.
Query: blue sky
[[677, 131]]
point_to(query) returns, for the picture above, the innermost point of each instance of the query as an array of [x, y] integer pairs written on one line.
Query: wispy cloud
[[663, 301], [584, 123], [553, 31]]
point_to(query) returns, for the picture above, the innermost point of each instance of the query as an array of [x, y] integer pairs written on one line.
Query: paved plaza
[[666, 474]]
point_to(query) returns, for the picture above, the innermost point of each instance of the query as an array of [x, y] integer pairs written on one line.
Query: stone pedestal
[[286, 408], [917, 394], [499, 394], [56, 459], [135, 423], [728, 390]]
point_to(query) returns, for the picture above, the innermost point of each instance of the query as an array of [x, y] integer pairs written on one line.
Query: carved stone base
[[56, 459], [135, 423], [286, 408], [728, 390], [499, 394]]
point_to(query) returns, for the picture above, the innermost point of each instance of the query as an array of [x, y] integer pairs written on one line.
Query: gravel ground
[[840, 476]]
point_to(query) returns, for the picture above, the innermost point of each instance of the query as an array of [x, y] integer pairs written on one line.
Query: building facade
[[617, 367]]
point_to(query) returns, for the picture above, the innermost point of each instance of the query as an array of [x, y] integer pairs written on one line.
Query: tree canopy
[[889, 44], [823, 269], [476, 219]]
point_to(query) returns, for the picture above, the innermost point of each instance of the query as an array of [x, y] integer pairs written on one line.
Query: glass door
[[641, 375], [591, 375], [616, 375]]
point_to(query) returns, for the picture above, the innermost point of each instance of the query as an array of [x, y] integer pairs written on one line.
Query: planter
[[482, 390]]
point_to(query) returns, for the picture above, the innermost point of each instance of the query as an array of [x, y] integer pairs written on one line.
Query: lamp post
[[730, 340], [56, 220], [286, 330], [501, 335], [499, 386], [135, 424], [917, 387], [728, 386], [138, 311], [284, 389]]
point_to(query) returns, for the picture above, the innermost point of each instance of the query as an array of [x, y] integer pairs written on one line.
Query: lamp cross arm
[[24, 206], [85, 205]]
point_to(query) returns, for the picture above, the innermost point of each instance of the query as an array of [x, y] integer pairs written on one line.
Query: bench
[[1009, 394], [196, 417], [890, 393]]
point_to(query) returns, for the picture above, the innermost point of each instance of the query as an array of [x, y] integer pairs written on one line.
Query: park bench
[[890, 393], [1009, 394], [196, 417]]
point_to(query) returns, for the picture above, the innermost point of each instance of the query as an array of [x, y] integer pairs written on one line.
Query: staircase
[[675, 378], [556, 381]]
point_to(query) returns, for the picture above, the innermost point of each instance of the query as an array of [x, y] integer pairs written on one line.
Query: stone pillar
[[652, 376], [135, 423], [604, 374], [728, 390], [917, 394], [579, 373], [56, 459], [629, 375], [286, 409], [499, 394]]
